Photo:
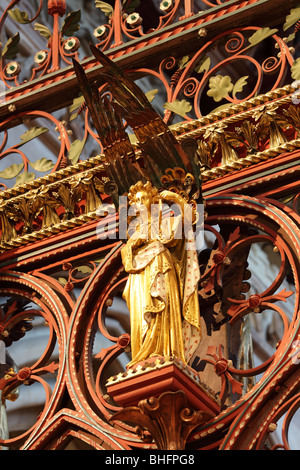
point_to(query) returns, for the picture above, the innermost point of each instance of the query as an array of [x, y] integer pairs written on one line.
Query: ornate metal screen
[[223, 77]]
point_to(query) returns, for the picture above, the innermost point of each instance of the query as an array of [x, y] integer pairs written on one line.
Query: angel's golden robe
[[162, 297]]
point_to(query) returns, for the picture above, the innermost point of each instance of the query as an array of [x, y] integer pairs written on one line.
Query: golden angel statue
[[162, 288]]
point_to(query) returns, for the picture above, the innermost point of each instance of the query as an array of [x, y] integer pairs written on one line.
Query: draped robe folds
[[162, 298]]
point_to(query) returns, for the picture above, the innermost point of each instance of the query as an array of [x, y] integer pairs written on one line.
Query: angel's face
[[143, 201]]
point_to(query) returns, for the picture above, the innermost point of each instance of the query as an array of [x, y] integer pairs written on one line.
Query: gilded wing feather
[[159, 147]]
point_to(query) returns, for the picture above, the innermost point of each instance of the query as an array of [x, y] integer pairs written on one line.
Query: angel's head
[[143, 195]]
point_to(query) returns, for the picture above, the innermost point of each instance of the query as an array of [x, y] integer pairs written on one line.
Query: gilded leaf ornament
[[219, 87]]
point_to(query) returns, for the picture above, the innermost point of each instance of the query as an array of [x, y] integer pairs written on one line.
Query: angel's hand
[[168, 195]]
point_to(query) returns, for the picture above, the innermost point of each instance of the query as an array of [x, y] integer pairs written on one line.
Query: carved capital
[[167, 418], [57, 6]]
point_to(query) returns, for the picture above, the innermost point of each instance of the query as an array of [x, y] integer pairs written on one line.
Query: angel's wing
[[116, 145], [159, 147]]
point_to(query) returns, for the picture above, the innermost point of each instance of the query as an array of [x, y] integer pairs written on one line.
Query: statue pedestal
[[158, 375]]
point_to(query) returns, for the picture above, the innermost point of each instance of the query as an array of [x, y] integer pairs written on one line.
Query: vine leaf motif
[[11, 48], [105, 7], [20, 17], [77, 102], [77, 105], [183, 62], [12, 171], [203, 65], [71, 23], [130, 6], [167, 418], [239, 85], [234, 236], [25, 177], [84, 269], [295, 69], [75, 151], [31, 134], [151, 94], [260, 35], [292, 18], [219, 87], [179, 107], [42, 165], [15, 169], [43, 30]]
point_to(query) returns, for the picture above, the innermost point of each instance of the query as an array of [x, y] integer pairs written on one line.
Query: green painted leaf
[[239, 85], [62, 281], [292, 18], [260, 35], [71, 23], [77, 102], [43, 30], [74, 116], [203, 65], [32, 133], [11, 171], [130, 6], [179, 107], [105, 7], [42, 165], [183, 62], [219, 87], [151, 95], [11, 48], [75, 150], [84, 269], [25, 177], [19, 16], [295, 69], [290, 37]]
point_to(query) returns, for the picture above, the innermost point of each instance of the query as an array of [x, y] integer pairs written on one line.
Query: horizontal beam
[[266, 178]]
